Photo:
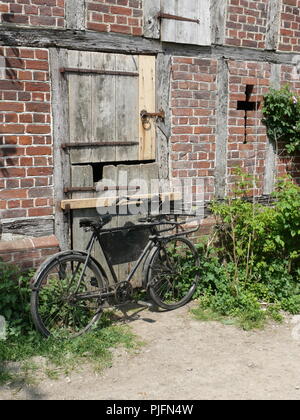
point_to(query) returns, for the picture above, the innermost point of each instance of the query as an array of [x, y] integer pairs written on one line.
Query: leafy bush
[[281, 112], [23, 342], [14, 299], [254, 258]]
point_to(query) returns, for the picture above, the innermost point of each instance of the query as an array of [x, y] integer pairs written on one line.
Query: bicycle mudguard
[[146, 267], [44, 265]]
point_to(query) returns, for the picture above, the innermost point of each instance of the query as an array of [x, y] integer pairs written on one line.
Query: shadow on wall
[[9, 85], [291, 163], [8, 17]]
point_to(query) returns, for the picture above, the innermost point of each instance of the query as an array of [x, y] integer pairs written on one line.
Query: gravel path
[[187, 360]]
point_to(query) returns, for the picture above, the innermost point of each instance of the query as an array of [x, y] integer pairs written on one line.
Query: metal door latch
[[145, 115]]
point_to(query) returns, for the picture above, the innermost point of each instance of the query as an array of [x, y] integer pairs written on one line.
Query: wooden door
[[107, 92], [104, 95]]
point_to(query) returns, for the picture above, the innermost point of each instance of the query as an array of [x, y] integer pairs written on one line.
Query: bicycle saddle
[[95, 222]]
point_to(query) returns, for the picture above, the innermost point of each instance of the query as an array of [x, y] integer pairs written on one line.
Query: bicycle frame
[[153, 240]]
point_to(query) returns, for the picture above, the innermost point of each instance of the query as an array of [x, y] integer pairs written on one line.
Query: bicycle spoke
[[170, 286], [59, 310]]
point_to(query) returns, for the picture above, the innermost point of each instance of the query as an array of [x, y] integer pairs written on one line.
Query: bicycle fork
[[88, 250]]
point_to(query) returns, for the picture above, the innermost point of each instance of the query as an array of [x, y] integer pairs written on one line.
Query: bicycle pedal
[[94, 282]]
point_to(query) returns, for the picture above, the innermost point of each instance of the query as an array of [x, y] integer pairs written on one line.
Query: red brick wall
[[123, 16], [28, 253], [246, 23], [26, 166], [49, 13], [247, 143], [193, 101], [290, 26]]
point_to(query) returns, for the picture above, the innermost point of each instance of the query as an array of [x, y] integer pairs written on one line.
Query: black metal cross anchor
[[247, 105]]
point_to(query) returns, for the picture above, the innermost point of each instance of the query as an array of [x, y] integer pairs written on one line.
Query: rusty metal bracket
[[98, 144], [145, 116], [162, 15], [101, 72]]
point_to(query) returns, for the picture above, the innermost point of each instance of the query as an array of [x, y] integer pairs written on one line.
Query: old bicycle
[[71, 289]]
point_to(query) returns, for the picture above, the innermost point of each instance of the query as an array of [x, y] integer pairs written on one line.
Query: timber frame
[[115, 43], [75, 38]]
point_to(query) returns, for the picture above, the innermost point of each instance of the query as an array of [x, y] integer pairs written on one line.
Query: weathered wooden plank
[[80, 105], [78, 40], [90, 203], [151, 20], [116, 43], [110, 178], [61, 171], [168, 28], [273, 24], [127, 108], [103, 97], [163, 128], [270, 160], [147, 101], [37, 227], [82, 176], [75, 14], [221, 129], [218, 11]]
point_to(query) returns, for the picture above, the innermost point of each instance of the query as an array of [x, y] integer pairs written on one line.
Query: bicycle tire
[[55, 304], [173, 273]]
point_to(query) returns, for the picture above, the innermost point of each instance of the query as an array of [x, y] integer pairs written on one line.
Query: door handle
[[145, 115]]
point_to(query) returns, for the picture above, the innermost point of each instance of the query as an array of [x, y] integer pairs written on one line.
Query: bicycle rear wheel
[[66, 298], [173, 273]]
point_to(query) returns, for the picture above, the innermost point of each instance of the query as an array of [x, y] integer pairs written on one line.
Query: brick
[[38, 151], [41, 211], [38, 129]]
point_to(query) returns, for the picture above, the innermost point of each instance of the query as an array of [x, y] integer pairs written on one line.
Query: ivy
[[281, 111]]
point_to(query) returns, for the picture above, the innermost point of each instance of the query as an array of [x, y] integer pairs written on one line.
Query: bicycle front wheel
[[66, 297], [173, 273]]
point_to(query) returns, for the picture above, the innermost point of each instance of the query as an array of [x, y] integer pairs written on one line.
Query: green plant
[[252, 260], [23, 342], [281, 112], [62, 356], [14, 298]]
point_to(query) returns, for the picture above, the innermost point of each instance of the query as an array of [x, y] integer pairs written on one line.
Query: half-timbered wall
[[75, 76]]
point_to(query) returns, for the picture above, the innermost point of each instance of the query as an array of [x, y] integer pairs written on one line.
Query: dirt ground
[[185, 359]]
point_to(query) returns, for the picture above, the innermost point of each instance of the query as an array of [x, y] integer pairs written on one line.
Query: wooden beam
[[60, 133], [116, 43], [91, 203], [78, 40], [221, 129], [218, 10], [273, 24]]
